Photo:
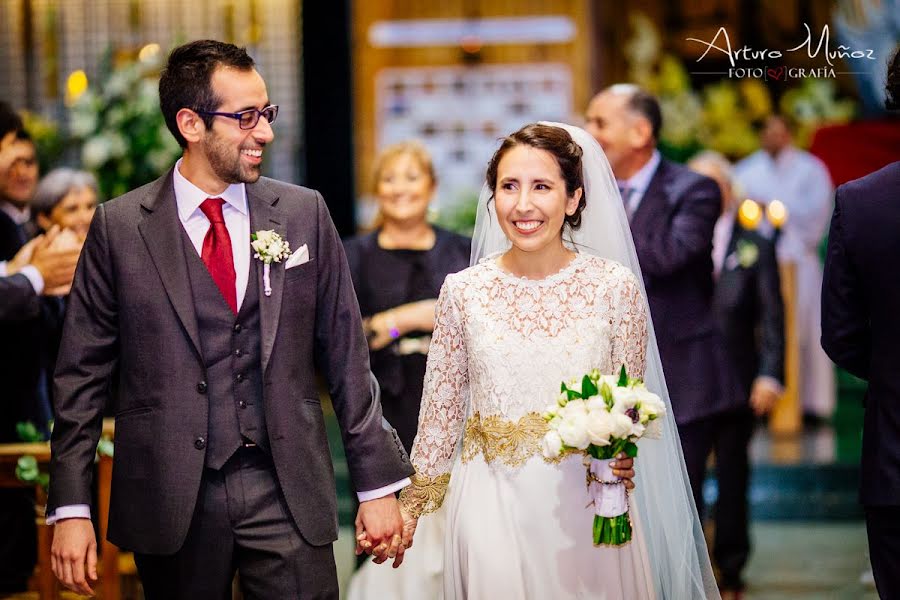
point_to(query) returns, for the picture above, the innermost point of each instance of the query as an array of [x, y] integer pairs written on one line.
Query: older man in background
[[781, 171], [672, 212]]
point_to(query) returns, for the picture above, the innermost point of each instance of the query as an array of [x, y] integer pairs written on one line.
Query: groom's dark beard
[[228, 169]]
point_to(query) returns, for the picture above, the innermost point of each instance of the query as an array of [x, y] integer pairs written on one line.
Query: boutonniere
[[269, 247], [747, 253]]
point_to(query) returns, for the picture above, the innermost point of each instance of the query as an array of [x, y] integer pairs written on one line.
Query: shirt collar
[[189, 197], [641, 180], [19, 216]]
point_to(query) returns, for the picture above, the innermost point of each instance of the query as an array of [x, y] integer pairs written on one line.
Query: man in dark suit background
[[860, 333], [750, 315], [672, 211], [222, 461]]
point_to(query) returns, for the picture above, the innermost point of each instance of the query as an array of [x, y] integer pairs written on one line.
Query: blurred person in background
[[66, 199], [37, 268], [672, 212], [781, 171], [750, 315], [398, 269]]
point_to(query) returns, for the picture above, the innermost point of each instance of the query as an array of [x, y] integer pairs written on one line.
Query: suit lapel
[[264, 215], [653, 202], [161, 230]]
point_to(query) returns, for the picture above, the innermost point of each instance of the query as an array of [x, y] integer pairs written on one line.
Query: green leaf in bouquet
[[572, 395], [623, 377], [588, 387], [630, 449]]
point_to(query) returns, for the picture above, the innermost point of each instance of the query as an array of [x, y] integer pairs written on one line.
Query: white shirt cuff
[[769, 382], [383, 491], [72, 511], [2, 268], [34, 276]]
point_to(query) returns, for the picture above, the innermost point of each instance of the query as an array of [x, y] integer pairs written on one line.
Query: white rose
[[574, 409], [599, 427], [597, 403], [573, 433], [621, 426], [551, 444]]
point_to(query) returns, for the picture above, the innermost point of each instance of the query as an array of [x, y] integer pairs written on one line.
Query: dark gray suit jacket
[[860, 322], [17, 298], [750, 312], [673, 230], [131, 317]]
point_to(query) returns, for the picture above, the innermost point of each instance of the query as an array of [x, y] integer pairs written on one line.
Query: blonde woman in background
[[398, 269]]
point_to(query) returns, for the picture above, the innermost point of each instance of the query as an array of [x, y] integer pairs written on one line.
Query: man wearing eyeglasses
[[222, 461]]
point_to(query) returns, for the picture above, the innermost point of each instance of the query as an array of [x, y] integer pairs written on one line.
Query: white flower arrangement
[[602, 416]]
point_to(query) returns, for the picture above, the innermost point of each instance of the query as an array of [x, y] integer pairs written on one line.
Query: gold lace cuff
[[507, 442], [425, 494]]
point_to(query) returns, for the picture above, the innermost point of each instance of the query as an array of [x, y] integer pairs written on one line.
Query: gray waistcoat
[[231, 354]]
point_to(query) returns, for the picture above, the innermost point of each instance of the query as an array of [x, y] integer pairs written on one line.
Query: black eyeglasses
[[247, 119]]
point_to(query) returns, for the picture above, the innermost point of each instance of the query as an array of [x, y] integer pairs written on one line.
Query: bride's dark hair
[[557, 142]]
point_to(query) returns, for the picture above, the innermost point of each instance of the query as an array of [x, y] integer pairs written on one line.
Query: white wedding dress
[[519, 525]]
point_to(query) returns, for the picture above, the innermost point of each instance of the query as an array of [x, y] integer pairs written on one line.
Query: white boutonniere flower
[[747, 253], [269, 247]]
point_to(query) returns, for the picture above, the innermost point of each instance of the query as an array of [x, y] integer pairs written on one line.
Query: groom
[[221, 460]]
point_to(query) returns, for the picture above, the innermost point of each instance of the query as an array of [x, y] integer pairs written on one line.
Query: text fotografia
[[820, 49]]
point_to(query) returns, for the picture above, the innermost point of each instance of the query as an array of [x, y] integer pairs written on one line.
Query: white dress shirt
[[188, 198], [639, 182]]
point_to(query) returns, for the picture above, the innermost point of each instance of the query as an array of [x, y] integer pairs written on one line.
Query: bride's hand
[[623, 467], [409, 527]]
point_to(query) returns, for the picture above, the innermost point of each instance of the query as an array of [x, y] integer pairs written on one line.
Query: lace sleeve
[[442, 415], [629, 336]]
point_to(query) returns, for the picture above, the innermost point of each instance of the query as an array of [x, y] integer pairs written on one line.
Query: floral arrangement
[[602, 416], [721, 115], [123, 136]]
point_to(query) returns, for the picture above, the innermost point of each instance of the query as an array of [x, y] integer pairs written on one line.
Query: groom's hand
[[74, 545], [379, 529]]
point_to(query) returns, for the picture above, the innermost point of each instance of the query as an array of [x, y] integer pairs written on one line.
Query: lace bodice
[[503, 344]]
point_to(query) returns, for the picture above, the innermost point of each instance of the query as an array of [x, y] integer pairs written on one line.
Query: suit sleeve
[[87, 357], [846, 330], [375, 455], [689, 235], [17, 298], [771, 318]]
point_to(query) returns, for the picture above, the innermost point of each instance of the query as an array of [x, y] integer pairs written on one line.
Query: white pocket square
[[300, 256]]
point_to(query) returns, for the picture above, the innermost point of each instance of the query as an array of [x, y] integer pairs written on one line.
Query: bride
[[554, 291]]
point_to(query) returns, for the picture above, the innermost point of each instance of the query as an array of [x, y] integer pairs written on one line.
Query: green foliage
[[27, 471], [28, 432], [123, 136], [460, 218]]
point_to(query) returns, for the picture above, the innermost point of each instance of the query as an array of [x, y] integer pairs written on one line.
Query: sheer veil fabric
[[671, 528]]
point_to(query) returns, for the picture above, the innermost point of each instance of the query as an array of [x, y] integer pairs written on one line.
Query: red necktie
[[217, 254]]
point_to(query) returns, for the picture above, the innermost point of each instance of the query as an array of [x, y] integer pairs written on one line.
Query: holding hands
[[383, 531]]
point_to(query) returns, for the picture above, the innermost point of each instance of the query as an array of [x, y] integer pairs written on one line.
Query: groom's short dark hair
[[186, 82]]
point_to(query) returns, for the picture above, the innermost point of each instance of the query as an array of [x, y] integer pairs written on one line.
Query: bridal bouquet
[[601, 416]]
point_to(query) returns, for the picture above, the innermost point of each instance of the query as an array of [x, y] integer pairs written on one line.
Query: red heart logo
[[775, 73]]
